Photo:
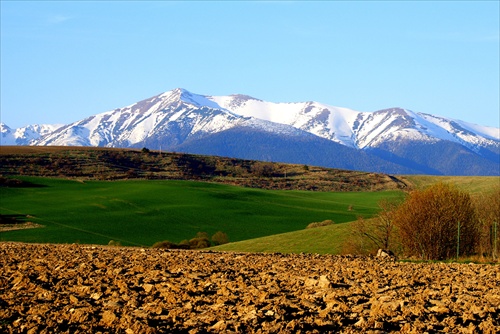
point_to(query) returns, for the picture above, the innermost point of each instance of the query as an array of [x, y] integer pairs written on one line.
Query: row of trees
[[440, 222], [201, 240]]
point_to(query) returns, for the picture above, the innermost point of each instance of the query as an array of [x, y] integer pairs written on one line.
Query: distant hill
[[115, 164]]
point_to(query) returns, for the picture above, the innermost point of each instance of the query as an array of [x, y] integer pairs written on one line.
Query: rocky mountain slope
[[392, 140], [25, 135], [363, 129]]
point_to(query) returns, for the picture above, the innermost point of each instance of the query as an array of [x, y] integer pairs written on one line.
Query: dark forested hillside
[[440, 158], [256, 144]]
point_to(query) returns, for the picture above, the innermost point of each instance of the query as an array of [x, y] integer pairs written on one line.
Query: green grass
[[328, 239], [143, 212], [471, 184], [320, 240]]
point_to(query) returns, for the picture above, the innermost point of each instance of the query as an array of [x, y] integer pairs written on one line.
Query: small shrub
[[114, 243], [220, 238], [199, 242], [164, 244], [319, 224], [264, 169], [184, 244]]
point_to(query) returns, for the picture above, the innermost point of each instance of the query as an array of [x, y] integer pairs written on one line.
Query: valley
[[142, 212], [140, 197]]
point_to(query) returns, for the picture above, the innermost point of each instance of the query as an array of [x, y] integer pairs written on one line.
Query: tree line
[[199, 241], [437, 223]]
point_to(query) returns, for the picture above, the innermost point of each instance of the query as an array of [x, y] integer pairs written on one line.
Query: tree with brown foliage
[[265, 169], [326, 222], [436, 222], [220, 238], [200, 241], [488, 213], [382, 231]]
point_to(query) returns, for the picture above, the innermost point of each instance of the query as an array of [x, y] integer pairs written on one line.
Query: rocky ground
[[86, 289]]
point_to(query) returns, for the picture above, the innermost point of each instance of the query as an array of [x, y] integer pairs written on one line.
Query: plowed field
[[85, 289]]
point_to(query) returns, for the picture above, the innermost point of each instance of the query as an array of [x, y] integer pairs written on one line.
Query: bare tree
[[378, 232], [488, 212]]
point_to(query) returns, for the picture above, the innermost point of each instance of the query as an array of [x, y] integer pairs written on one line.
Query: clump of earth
[[89, 289]]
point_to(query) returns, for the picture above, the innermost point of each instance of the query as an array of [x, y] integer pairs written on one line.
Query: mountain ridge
[[182, 120]]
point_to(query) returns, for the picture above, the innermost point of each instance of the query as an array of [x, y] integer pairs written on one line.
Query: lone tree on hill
[[436, 222]]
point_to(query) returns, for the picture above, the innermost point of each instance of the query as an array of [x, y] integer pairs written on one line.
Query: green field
[[143, 212], [320, 240], [472, 184], [328, 239]]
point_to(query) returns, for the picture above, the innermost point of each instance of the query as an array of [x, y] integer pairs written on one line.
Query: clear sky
[[62, 61]]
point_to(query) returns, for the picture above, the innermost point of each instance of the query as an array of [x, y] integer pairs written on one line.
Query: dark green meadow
[[142, 212]]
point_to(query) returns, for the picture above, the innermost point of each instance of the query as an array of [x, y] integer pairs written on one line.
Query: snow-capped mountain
[[327, 122], [391, 140], [167, 119], [362, 129], [25, 135]]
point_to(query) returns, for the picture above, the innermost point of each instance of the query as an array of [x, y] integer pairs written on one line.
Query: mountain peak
[[4, 126], [243, 97], [25, 135], [183, 95], [394, 111]]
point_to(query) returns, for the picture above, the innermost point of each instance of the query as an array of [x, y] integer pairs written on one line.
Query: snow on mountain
[[169, 118], [471, 135], [398, 124], [183, 115], [179, 118], [325, 121], [363, 129], [6, 135], [24, 135]]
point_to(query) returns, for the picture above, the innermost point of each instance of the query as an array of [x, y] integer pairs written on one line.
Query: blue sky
[[62, 61]]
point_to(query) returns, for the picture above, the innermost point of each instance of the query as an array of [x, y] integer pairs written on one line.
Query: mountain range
[[394, 141]]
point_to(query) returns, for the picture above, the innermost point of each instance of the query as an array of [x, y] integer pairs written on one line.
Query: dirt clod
[[83, 289]]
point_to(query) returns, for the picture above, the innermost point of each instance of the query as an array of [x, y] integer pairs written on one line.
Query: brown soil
[[20, 226], [84, 289]]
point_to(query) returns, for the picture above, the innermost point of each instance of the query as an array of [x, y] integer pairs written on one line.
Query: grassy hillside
[[471, 184], [141, 212], [320, 240], [157, 196], [328, 239]]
